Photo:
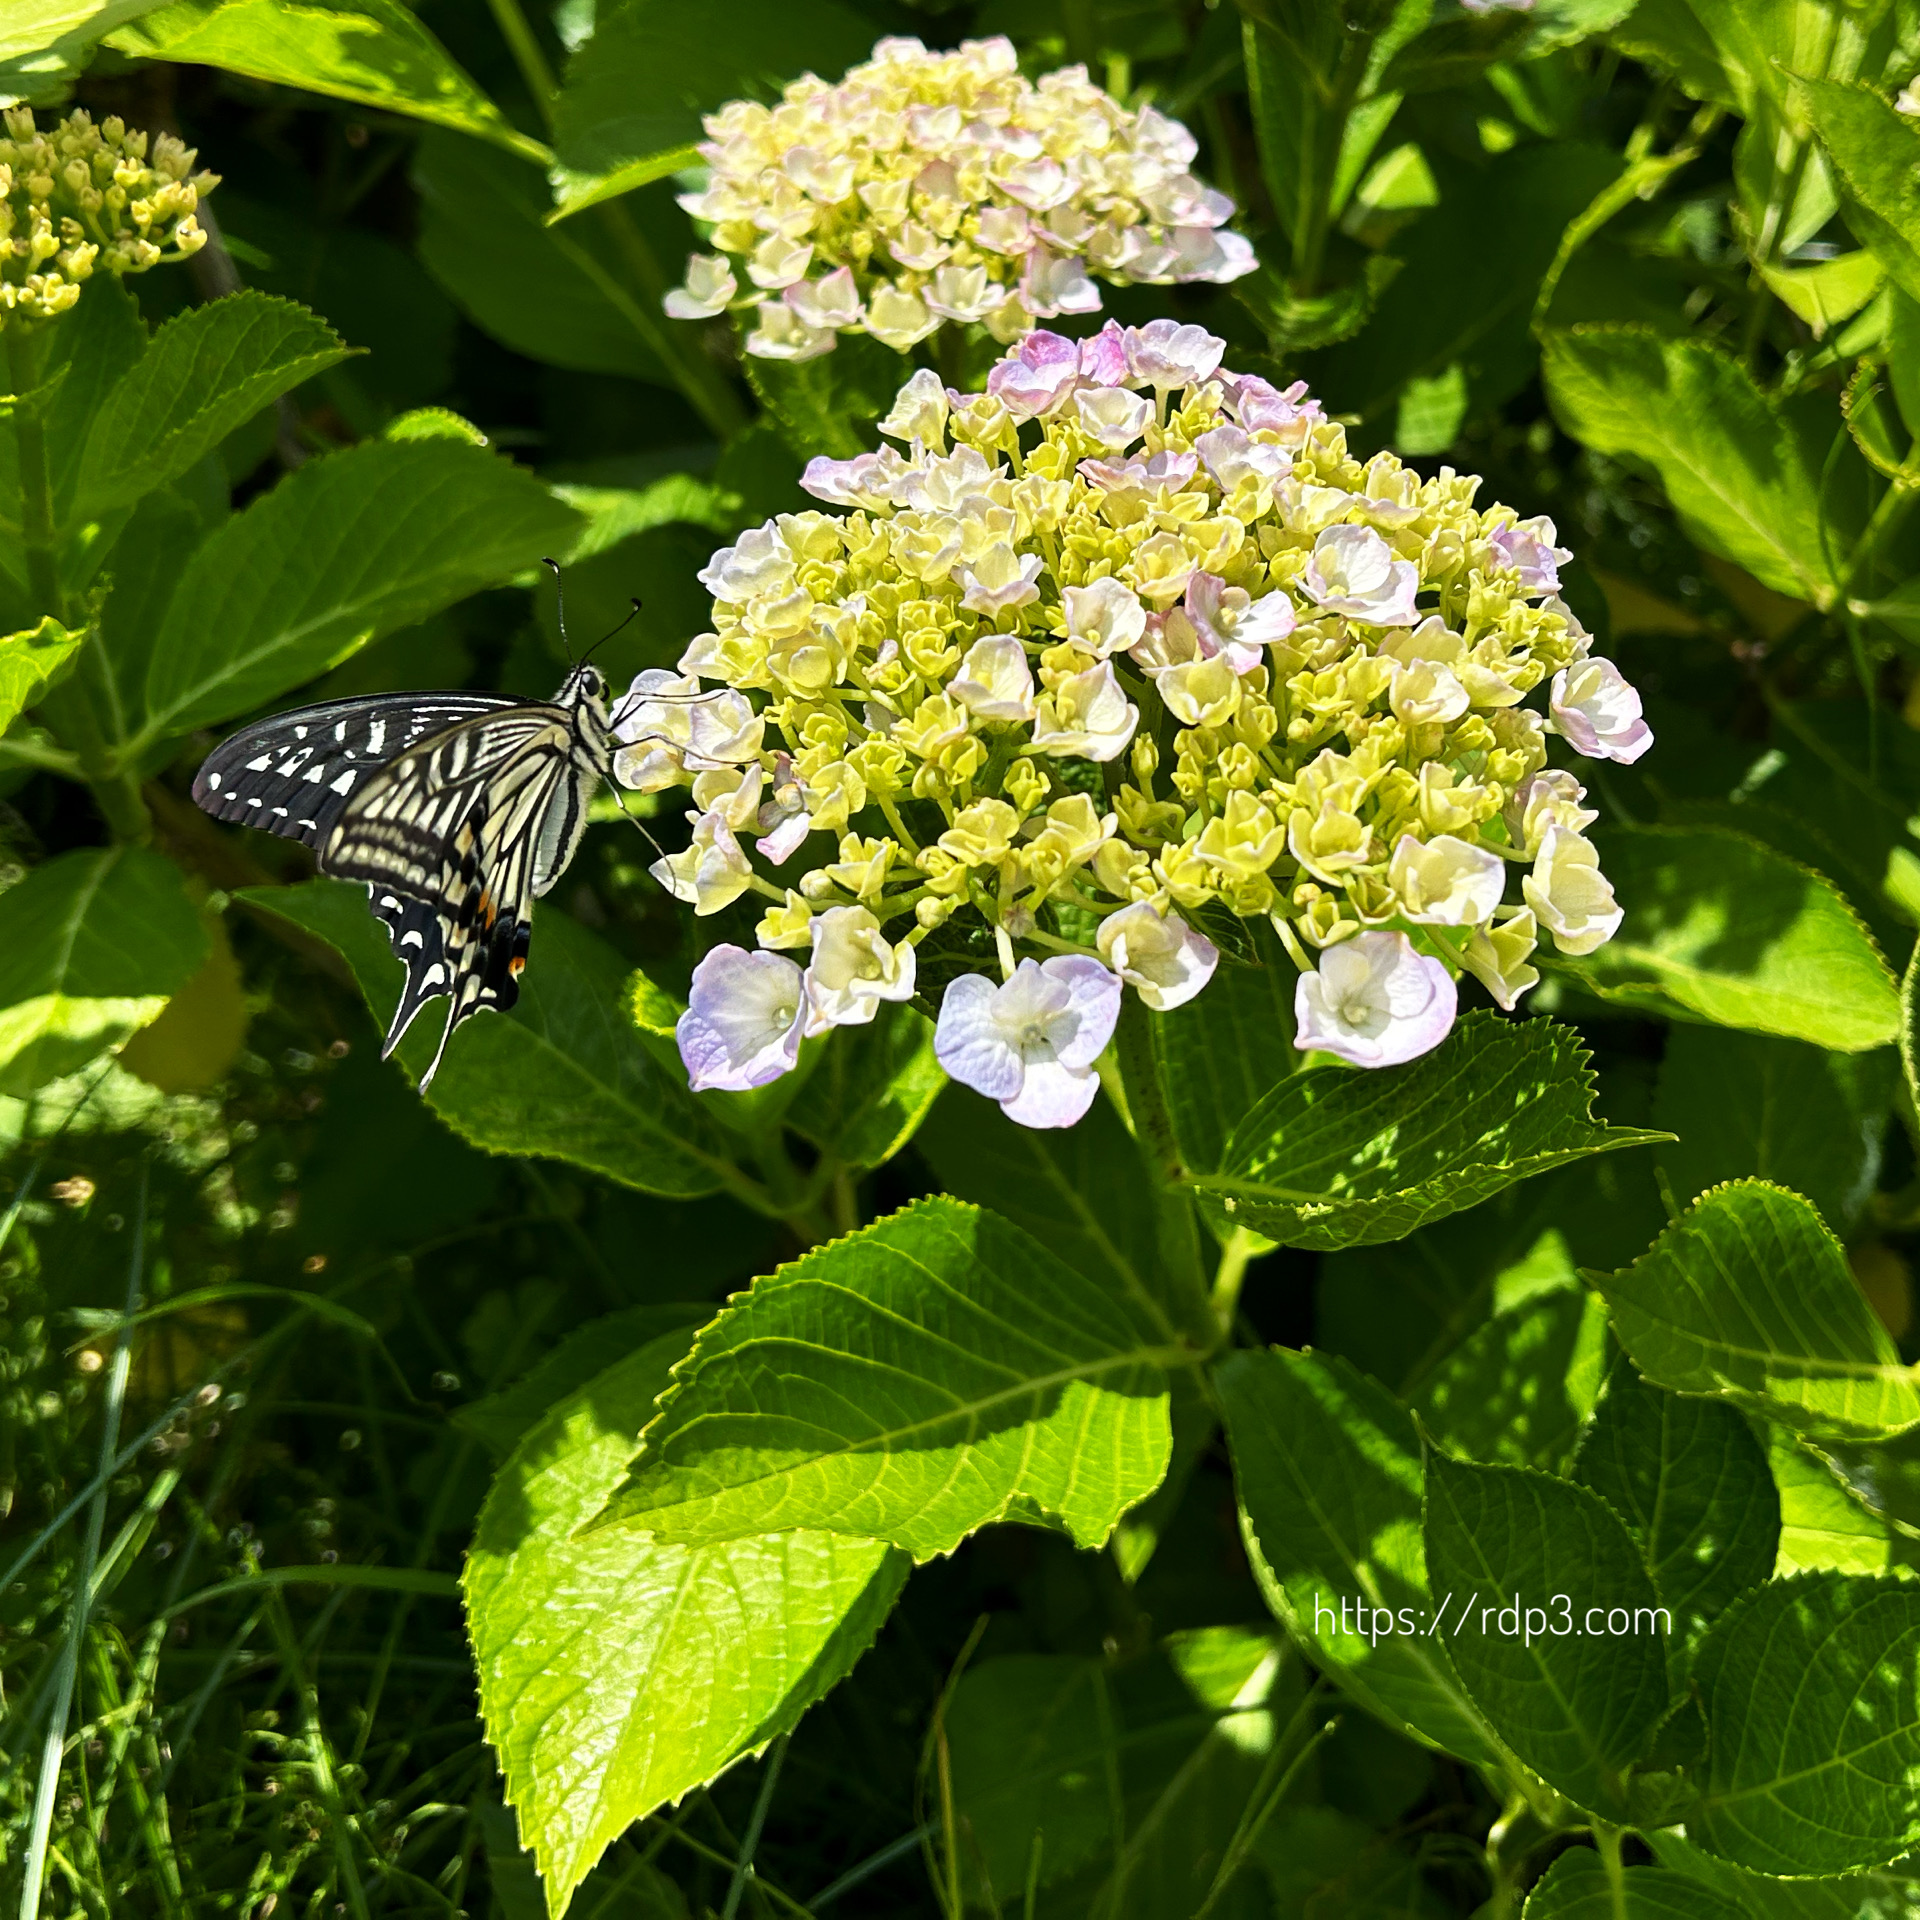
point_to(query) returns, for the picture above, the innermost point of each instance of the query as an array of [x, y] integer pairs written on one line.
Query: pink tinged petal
[[1054, 283], [971, 1044], [1374, 1001], [1165, 354], [1103, 359], [1052, 1095], [783, 842], [1080, 1034], [1596, 709], [743, 1021]]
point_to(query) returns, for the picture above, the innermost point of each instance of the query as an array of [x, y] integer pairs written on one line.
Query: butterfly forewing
[[294, 773], [456, 809]]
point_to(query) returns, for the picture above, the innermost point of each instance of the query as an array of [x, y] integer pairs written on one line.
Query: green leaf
[[829, 403], [1910, 1025], [618, 1673], [1221, 1052], [1337, 1158], [1576, 1887], [631, 105], [1723, 449], [563, 297], [935, 1371], [92, 946], [206, 372], [45, 41], [1691, 1482], [564, 1074], [1748, 1297], [28, 660], [1518, 1387], [1875, 154], [613, 514], [1825, 294], [373, 52], [1856, 1896], [1084, 1192], [353, 545], [1823, 1528], [1151, 1770], [1578, 1707], [1472, 331], [1721, 928], [501, 1418], [1327, 1467], [1808, 1688], [1779, 1110], [875, 1085]]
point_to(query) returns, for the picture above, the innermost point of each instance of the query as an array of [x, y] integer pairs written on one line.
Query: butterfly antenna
[[605, 637], [635, 821], [559, 602]]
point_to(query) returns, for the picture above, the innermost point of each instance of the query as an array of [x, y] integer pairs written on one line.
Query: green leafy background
[[1488, 1487]]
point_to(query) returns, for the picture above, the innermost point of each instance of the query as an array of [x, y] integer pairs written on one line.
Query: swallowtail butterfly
[[456, 809]]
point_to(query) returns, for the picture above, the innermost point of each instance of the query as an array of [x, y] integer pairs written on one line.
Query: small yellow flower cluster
[[82, 199], [927, 187], [1129, 630]]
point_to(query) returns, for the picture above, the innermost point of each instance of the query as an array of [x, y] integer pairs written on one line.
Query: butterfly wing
[[294, 774], [447, 836]]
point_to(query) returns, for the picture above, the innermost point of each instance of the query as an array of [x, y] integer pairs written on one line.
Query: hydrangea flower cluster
[[82, 199], [927, 187], [1117, 651]]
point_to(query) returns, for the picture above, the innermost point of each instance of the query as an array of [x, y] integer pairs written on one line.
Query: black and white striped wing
[[448, 837], [293, 774]]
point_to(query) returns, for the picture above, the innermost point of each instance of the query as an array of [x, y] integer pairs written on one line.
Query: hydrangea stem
[[115, 788]]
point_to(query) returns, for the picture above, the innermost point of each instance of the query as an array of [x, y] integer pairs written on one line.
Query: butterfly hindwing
[[451, 832], [292, 775]]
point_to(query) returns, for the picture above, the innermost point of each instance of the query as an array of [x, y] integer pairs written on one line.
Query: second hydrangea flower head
[[930, 187], [1125, 649]]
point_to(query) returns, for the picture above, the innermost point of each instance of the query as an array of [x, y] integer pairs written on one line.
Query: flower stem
[[1146, 1094], [516, 31], [36, 475]]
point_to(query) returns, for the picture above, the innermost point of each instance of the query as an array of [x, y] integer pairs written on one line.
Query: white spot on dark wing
[[390, 903], [434, 975], [213, 783], [412, 940], [260, 765], [280, 813], [253, 799], [315, 771], [376, 736], [345, 783], [340, 731], [311, 825], [299, 733]]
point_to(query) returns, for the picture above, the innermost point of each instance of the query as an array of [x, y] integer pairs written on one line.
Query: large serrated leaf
[[1578, 1886], [1723, 929], [205, 373], [1578, 1704], [1729, 461], [353, 545], [564, 1074], [1875, 152], [374, 52], [92, 945], [1691, 1482], [1813, 1714], [618, 1673], [1327, 1464], [1747, 1297], [936, 1371], [1337, 1158]]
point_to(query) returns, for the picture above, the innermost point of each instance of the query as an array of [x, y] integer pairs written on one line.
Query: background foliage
[[331, 1581]]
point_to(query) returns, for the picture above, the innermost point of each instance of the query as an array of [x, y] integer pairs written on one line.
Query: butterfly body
[[457, 810]]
